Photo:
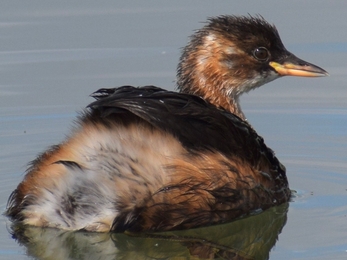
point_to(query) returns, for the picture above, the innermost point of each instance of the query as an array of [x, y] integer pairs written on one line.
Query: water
[[54, 54]]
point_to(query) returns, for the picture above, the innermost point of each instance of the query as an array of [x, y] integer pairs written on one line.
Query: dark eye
[[261, 54]]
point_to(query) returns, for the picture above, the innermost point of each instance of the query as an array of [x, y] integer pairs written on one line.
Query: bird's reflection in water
[[248, 238]]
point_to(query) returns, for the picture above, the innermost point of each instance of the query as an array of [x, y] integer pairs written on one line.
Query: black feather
[[197, 124]]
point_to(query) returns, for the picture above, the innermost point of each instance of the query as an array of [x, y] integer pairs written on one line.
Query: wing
[[197, 124]]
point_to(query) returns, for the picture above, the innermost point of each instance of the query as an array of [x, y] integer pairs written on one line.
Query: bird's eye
[[261, 54]]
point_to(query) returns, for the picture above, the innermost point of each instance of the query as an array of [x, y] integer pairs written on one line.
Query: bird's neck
[[206, 80], [217, 97], [202, 72]]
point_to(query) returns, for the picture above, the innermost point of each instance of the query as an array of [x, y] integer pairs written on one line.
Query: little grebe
[[148, 159]]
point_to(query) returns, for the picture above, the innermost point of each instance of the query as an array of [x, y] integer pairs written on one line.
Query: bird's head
[[231, 55]]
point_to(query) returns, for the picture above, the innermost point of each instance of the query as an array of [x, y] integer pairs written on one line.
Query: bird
[[146, 159]]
